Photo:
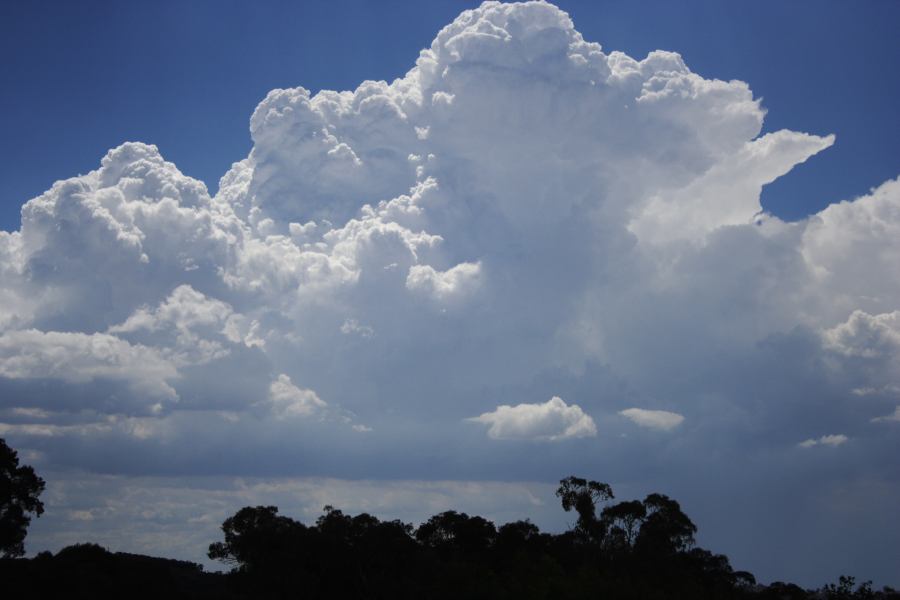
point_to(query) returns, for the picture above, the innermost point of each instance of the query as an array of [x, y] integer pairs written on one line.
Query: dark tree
[[517, 533], [632, 550], [19, 492], [666, 528], [457, 530], [257, 537], [622, 522], [583, 496], [844, 589]]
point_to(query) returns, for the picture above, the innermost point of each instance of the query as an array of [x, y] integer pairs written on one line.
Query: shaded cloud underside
[[521, 216]]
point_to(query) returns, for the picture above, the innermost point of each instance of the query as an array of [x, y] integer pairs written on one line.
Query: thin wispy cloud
[[653, 419], [834, 440]]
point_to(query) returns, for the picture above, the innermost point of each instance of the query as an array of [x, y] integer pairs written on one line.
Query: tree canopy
[[633, 550], [20, 489]]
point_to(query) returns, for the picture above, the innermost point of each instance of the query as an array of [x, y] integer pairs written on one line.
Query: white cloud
[[444, 285], [850, 247], [287, 401], [140, 428], [727, 194], [82, 358], [653, 419], [620, 231], [552, 420], [866, 336], [191, 328], [895, 416], [869, 391], [352, 326], [833, 440], [185, 309]]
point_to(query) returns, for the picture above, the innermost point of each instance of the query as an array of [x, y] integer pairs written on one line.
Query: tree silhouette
[[844, 589], [634, 550], [666, 528], [622, 522], [257, 538], [19, 492], [583, 496], [457, 530]]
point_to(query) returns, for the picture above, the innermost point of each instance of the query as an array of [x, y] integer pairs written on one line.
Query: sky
[[645, 243], [80, 78]]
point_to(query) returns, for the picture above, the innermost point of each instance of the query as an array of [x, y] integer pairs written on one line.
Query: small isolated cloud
[[653, 419], [552, 420], [353, 327], [895, 416], [286, 400], [833, 440], [871, 391]]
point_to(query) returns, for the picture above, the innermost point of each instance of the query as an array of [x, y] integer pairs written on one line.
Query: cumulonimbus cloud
[[522, 214]]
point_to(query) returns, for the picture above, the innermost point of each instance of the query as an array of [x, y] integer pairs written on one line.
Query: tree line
[[632, 549]]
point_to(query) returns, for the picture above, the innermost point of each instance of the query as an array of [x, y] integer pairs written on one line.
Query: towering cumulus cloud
[[522, 216]]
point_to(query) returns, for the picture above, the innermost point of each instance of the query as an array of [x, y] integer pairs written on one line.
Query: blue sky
[[527, 257], [79, 78]]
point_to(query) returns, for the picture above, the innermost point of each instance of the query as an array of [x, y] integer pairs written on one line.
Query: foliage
[[635, 549], [844, 590], [19, 492], [583, 496], [89, 571]]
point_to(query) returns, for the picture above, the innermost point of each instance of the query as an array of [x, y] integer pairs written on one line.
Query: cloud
[[288, 401], [895, 416], [352, 326], [523, 214], [192, 328], [81, 358], [848, 246], [653, 419], [833, 440], [444, 285], [727, 194], [865, 335], [552, 420], [498, 245]]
